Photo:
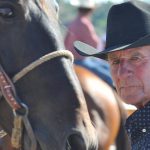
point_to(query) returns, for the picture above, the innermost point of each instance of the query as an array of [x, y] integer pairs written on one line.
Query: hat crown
[[83, 3], [127, 23], [128, 26]]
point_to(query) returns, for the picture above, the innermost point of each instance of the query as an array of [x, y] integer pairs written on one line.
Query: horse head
[[35, 104]]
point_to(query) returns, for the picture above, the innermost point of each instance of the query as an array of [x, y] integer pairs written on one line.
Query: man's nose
[[125, 69]]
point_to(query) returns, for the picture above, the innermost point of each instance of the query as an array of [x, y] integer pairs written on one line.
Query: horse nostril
[[75, 142]]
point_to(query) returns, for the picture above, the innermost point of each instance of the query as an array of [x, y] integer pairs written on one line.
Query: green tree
[[68, 12]]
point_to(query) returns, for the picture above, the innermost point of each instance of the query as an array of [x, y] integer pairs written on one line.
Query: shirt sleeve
[[88, 34]]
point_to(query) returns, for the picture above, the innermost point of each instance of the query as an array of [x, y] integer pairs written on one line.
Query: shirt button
[[129, 130], [143, 130]]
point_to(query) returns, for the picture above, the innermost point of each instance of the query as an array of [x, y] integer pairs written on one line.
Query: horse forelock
[[49, 8]]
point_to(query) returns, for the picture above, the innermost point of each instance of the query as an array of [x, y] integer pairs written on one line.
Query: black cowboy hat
[[128, 26]]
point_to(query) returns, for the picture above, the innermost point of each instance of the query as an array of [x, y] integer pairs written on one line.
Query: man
[[128, 53], [81, 28]]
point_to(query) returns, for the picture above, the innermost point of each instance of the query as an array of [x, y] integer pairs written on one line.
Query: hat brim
[[87, 50]]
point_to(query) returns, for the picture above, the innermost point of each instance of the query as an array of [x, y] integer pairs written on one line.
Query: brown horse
[[106, 110]]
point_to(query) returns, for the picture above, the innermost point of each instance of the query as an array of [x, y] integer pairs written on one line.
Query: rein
[[9, 93]]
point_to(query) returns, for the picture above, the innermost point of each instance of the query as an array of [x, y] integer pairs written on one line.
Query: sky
[[118, 1], [115, 1]]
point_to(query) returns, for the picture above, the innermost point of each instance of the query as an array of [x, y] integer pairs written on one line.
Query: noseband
[[9, 93]]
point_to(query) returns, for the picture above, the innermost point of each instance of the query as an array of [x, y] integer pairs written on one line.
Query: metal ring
[[25, 107]]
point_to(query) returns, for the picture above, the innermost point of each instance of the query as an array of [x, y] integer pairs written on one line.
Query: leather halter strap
[[8, 91]]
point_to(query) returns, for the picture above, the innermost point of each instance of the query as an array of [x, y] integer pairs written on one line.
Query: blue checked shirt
[[138, 128]]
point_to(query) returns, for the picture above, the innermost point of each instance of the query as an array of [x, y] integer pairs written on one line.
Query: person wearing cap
[[128, 53], [81, 28]]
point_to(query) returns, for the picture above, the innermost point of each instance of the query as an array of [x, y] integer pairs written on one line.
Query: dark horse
[[42, 107]]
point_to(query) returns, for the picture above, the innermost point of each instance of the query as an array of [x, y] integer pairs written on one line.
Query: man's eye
[[6, 12], [135, 58], [115, 62]]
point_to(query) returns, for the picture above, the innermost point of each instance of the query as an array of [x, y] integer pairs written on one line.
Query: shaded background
[[68, 12]]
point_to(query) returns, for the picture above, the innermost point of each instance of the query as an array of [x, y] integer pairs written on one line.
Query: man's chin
[[130, 100], [134, 100]]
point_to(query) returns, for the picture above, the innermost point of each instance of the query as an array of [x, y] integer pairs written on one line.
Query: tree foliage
[[99, 18]]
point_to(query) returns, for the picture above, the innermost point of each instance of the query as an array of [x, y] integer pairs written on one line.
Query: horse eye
[[6, 12]]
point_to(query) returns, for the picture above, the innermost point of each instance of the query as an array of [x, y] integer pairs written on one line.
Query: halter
[[9, 93]]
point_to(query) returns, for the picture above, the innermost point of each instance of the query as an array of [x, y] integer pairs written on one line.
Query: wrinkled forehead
[[144, 50]]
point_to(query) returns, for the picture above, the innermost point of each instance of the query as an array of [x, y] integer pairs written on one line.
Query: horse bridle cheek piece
[[9, 93]]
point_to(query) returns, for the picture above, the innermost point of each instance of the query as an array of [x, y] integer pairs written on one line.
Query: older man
[[128, 53]]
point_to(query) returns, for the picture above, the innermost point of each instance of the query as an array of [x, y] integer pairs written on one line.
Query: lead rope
[[9, 93], [2, 133], [18, 129]]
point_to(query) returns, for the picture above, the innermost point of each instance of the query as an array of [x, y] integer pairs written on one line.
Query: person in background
[[128, 53], [82, 29]]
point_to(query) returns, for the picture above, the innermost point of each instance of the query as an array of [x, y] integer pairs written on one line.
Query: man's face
[[130, 70]]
